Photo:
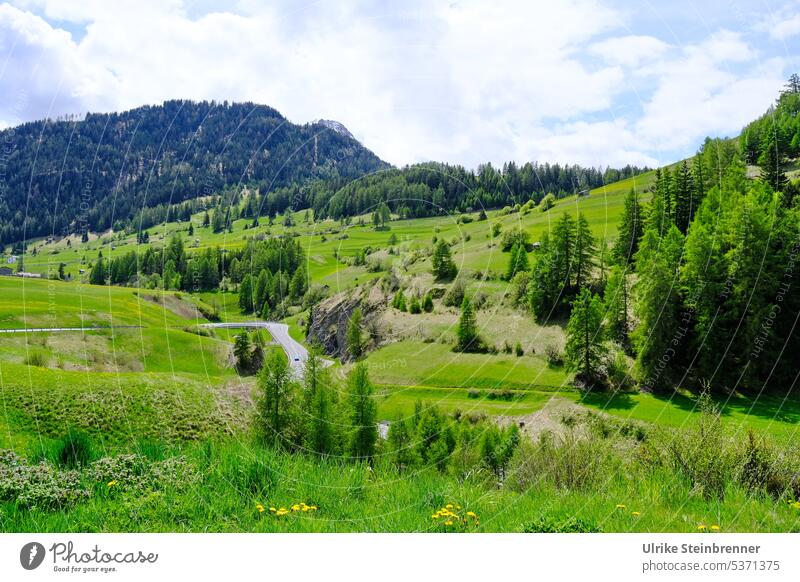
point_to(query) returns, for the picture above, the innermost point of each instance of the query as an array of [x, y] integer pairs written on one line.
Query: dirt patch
[[179, 307], [548, 419]]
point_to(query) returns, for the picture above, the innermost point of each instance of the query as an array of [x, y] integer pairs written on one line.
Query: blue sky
[[582, 81]]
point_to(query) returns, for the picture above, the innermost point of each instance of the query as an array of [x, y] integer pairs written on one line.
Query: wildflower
[[796, 504], [448, 522], [282, 511], [260, 508], [620, 506], [715, 527], [295, 507], [272, 510], [701, 527], [112, 483], [635, 513], [472, 514]]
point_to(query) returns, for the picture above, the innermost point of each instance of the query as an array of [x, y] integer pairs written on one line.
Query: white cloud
[[629, 51], [462, 82], [699, 92]]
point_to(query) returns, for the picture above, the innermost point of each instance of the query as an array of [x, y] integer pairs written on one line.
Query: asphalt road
[[296, 352]]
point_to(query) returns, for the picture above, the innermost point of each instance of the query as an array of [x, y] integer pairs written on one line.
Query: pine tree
[[770, 159], [241, 351], [99, 274], [246, 294], [657, 306], [363, 421], [468, 339], [274, 400], [191, 229], [684, 192], [355, 340], [443, 266], [518, 261], [427, 303], [584, 252], [584, 350], [563, 249], [616, 303], [629, 231], [318, 401], [400, 443], [261, 295], [415, 306]]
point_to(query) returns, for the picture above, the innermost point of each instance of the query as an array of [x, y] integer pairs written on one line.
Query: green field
[[161, 390], [602, 209]]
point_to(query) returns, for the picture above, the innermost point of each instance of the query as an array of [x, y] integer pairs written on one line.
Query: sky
[[600, 83]]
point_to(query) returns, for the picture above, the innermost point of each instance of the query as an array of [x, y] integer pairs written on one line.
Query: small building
[[583, 193], [6, 271]]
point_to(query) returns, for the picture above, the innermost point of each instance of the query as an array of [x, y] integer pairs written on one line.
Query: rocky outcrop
[[328, 326]]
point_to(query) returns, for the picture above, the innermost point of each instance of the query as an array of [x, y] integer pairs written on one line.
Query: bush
[[38, 486], [472, 393], [560, 524], [547, 202], [701, 455], [553, 355], [455, 295], [518, 351], [566, 463]]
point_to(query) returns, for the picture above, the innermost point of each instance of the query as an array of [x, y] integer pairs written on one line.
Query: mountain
[[93, 173]]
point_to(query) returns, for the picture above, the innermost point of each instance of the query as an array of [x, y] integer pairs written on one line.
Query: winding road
[[295, 351]]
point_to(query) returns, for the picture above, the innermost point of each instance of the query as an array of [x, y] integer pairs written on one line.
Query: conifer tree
[[246, 294], [467, 334], [584, 350], [629, 231], [363, 421], [584, 252]]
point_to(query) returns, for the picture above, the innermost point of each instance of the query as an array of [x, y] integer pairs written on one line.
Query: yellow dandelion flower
[[312, 507], [635, 513], [620, 506], [796, 504], [448, 523], [260, 508], [449, 506], [471, 514], [112, 483], [715, 527], [272, 510], [295, 507], [701, 527], [282, 511]]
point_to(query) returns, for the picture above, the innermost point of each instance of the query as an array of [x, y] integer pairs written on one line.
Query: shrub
[[560, 524], [518, 351], [38, 486], [565, 462], [701, 455], [455, 295], [547, 202], [553, 355], [472, 393]]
